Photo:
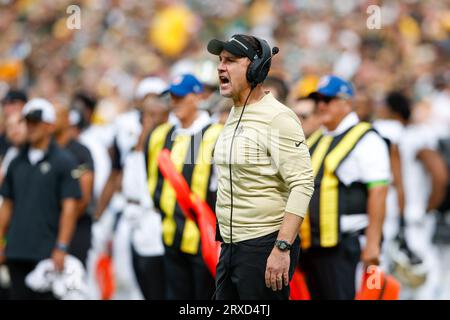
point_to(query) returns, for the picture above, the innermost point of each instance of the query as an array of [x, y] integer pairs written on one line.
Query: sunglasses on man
[[326, 99]]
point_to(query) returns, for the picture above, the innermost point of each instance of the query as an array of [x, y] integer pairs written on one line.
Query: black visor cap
[[236, 46]]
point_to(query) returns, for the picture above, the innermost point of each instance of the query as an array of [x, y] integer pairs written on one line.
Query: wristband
[[62, 246]]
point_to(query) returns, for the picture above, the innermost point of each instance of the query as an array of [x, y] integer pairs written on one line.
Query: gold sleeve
[[290, 156]]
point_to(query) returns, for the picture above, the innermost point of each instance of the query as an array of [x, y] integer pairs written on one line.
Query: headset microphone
[[260, 69], [275, 50]]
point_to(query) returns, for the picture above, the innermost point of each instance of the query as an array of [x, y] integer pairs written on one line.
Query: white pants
[[444, 272], [390, 227], [102, 234], [127, 287], [419, 234]]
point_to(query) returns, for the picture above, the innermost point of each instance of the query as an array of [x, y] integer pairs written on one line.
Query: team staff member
[[190, 141], [390, 122], [425, 177], [263, 194], [127, 129], [146, 229], [12, 103], [305, 107], [64, 137], [351, 170], [40, 202], [16, 133]]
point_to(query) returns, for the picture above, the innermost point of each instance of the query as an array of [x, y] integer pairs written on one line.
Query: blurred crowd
[[121, 41], [96, 69]]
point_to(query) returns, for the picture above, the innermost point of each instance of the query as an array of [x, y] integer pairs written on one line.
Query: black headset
[[259, 67]]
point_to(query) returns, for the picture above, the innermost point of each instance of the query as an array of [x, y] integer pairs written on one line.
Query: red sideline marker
[[191, 204]]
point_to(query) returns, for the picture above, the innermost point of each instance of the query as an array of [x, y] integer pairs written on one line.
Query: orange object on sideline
[[376, 285], [206, 220], [105, 278], [177, 182], [189, 202], [299, 289]]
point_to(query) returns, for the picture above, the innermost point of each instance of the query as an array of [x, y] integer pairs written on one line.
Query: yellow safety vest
[[331, 198], [192, 156]]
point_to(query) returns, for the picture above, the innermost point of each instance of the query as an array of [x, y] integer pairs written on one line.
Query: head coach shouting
[[265, 179]]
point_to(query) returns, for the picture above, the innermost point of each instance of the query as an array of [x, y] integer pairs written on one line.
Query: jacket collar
[[51, 147]]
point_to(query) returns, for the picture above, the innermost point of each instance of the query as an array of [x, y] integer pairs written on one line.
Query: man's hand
[[58, 259], [277, 269], [5, 217], [376, 208], [370, 255]]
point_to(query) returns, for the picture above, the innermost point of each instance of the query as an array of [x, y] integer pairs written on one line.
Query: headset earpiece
[[259, 68]]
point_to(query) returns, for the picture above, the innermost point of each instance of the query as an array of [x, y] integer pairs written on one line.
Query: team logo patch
[[45, 167], [78, 172], [75, 173]]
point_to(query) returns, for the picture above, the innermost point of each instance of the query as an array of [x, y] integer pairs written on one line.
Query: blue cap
[[333, 86], [185, 84]]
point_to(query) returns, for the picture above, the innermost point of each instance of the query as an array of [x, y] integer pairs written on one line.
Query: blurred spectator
[[304, 106], [12, 103], [277, 87], [94, 137], [155, 111], [40, 202], [16, 133], [126, 131], [140, 215], [127, 134], [305, 109], [392, 115], [363, 107], [425, 177], [84, 172]]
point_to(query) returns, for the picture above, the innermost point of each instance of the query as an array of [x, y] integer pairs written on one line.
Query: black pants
[[244, 279], [81, 240], [4, 293], [18, 270], [150, 275], [187, 276], [330, 272]]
